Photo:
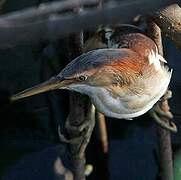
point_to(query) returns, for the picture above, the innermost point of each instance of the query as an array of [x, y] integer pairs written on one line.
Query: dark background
[[29, 142]]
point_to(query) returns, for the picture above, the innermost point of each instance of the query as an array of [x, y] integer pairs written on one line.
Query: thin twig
[[102, 131]]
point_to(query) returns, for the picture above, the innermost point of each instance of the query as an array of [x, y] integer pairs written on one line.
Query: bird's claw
[[167, 95], [64, 139], [170, 127], [83, 132], [160, 112], [80, 128], [157, 113]]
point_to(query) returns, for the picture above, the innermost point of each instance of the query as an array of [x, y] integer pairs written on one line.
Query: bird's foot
[[78, 128], [166, 96], [162, 113], [65, 139], [157, 114], [83, 132]]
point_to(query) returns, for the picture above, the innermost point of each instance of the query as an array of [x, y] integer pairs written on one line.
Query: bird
[[124, 79]]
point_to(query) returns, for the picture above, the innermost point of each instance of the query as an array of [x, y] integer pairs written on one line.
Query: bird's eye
[[82, 78]]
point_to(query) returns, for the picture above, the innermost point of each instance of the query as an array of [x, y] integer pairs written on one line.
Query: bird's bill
[[51, 84]]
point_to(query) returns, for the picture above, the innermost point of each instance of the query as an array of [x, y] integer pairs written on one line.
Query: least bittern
[[123, 82]]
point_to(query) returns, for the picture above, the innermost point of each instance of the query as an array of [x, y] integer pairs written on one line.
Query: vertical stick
[[77, 112], [81, 112], [102, 131], [164, 139]]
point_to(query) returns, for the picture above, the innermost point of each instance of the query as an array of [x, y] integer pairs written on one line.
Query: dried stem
[[164, 139], [77, 113], [102, 131], [81, 112]]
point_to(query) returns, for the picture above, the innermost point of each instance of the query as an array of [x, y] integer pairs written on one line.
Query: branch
[[51, 21], [164, 139], [169, 20], [102, 131], [81, 119]]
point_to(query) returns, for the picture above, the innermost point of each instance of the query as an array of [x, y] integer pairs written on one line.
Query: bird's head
[[90, 70], [101, 67]]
